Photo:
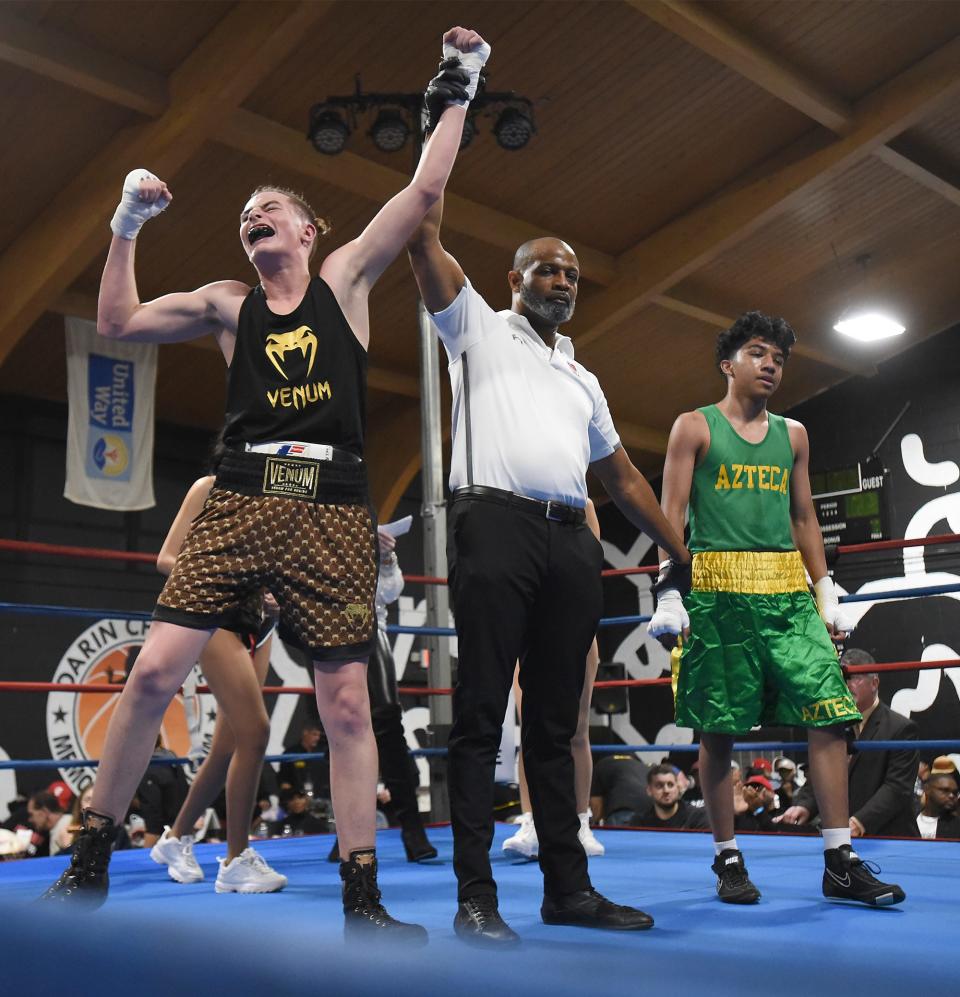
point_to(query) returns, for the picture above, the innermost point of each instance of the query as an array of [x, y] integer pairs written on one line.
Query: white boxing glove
[[472, 62], [670, 616], [828, 605], [132, 212]]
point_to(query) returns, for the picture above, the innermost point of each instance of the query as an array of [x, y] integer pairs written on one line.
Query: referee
[[524, 569]]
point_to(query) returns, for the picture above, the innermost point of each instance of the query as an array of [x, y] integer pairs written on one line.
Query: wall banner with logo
[[110, 385]]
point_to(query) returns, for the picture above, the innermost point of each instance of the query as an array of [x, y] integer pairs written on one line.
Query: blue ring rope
[[602, 749]]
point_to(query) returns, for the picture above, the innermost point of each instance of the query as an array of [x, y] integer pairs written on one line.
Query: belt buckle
[[556, 517]]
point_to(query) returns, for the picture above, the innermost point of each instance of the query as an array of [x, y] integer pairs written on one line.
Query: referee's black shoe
[[478, 921], [733, 883], [589, 909], [846, 877]]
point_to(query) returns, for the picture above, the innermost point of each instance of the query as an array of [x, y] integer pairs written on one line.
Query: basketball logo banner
[[77, 722], [110, 385]]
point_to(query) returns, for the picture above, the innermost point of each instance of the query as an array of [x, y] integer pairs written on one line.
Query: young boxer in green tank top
[[756, 648]]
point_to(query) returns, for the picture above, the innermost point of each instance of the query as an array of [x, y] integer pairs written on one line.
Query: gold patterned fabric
[[319, 560], [751, 572]]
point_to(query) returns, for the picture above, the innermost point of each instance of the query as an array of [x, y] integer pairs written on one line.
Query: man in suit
[[881, 782]]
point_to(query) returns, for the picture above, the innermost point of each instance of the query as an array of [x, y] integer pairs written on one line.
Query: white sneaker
[[524, 843], [248, 873], [177, 855], [587, 838]]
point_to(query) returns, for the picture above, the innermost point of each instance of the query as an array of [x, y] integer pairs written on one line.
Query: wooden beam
[[711, 34], [699, 236], [718, 321], [243, 48], [59, 57], [924, 167], [277, 143]]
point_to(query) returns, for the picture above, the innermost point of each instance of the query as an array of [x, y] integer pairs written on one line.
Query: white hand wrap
[[828, 605], [670, 616], [131, 212], [472, 62]]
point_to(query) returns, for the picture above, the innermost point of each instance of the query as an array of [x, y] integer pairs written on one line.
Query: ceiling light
[[514, 128], [869, 327], [328, 131], [390, 131]]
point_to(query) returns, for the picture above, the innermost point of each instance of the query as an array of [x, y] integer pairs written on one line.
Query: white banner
[[110, 386]]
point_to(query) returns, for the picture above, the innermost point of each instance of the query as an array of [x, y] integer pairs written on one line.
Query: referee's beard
[[556, 312]]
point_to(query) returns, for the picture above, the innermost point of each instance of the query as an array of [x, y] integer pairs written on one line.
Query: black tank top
[[301, 376]]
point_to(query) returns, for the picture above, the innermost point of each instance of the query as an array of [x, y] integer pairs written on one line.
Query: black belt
[[555, 511]]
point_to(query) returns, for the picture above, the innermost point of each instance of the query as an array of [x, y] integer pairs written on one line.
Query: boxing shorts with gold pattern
[[299, 528]]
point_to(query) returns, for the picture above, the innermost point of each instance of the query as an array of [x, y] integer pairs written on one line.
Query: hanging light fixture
[[390, 130], [514, 128], [328, 131], [867, 325]]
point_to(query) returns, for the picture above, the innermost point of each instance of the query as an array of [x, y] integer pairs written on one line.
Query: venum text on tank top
[[300, 376]]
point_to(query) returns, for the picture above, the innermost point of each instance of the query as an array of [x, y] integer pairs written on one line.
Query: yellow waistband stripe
[[752, 572]]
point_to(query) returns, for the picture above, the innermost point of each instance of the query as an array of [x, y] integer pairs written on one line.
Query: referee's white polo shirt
[[526, 418]]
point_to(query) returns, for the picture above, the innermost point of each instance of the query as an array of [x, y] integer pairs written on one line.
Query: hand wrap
[[131, 212]]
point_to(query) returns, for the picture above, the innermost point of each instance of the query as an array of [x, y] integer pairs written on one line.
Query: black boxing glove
[[447, 87]]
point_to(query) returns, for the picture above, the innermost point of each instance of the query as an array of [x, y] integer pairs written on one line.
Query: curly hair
[[754, 325], [322, 226]]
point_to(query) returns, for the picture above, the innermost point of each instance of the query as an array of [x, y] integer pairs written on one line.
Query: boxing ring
[[155, 936]]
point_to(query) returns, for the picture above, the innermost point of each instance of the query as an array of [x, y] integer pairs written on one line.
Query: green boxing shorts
[[758, 652]]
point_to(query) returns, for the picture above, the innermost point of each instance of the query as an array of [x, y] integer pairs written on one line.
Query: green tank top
[[740, 498]]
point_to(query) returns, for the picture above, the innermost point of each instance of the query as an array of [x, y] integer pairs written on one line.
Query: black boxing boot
[[365, 917], [85, 881]]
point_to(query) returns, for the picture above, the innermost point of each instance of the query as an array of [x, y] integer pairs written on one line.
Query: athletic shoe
[[248, 873], [733, 883], [591, 846], [177, 855], [478, 922], [589, 909], [524, 843], [846, 877]]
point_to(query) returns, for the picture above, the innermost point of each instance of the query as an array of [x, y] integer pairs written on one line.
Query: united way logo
[[110, 455], [77, 721]]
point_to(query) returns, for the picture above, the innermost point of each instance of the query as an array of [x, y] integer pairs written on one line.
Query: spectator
[[787, 770], [881, 782], [619, 788], [309, 777], [759, 804], [297, 820], [668, 809], [939, 818], [63, 793], [45, 817]]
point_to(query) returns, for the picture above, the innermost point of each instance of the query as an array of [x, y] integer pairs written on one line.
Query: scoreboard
[[851, 502]]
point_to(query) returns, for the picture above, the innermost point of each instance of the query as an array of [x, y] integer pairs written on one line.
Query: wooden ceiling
[[702, 158]]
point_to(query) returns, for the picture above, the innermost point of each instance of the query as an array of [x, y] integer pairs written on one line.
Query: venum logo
[[77, 722], [279, 344]]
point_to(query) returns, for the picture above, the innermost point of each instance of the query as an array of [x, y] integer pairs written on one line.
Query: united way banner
[[110, 385]]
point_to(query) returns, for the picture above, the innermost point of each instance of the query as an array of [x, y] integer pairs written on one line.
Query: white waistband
[[314, 451]]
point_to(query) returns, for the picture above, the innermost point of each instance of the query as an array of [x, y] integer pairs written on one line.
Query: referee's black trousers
[[522, 588]]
